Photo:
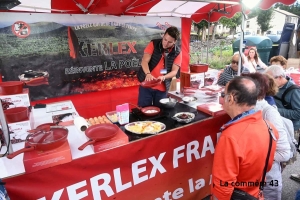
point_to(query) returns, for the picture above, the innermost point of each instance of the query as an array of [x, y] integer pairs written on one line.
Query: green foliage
[[215, 61], [263, 19], [201, 25], [254, 12], [219, 63], [295, 8], [217, 49], [233, 22]]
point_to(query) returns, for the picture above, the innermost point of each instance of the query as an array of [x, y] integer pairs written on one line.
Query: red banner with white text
[[173, 165]]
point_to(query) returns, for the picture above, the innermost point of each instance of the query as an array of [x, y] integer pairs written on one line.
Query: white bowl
[[189, 99], [178, 117]]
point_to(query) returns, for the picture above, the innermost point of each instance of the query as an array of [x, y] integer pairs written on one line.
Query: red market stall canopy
[[197, 10]]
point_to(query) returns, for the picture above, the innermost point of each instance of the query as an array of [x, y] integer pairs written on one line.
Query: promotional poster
[[59, 54]]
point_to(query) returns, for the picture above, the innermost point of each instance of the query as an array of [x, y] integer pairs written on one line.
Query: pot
[[11, 87], [199, 68], [16, 114], [44, 140], [148, 110], [168, 102], [99, 132]]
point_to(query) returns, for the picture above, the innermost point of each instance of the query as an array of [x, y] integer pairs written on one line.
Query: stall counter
[[174, 164]]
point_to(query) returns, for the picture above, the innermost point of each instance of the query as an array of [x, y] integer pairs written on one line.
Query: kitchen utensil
[[16, 114], [150, 84], [168, 102], [44, 140], [145, 127], [99, 132], [148, 110], [11, 87], [184, 117], [42, 127], [198, 68]]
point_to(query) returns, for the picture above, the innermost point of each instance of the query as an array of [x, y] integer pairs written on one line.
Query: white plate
[[145, 127]]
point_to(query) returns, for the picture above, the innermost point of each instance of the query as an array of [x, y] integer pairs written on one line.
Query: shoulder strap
[[282, 99], [292, 87], [261, 186]]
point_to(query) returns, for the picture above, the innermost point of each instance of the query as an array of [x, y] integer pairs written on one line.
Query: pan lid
[[101, 131], [45, 137]]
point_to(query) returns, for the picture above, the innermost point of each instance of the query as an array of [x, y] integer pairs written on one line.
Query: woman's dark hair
[[255, 56], [243, 92], [173, 32], [263, 82]]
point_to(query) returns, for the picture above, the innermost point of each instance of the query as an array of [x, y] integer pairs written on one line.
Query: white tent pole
[[208, 37], [241, 42], [5, 130]]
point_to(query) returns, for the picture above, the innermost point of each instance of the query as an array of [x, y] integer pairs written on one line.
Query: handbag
[[239, 194]]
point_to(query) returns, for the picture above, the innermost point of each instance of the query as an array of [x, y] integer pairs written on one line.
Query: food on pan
[[183, 116], [151, 127], [151, 111]]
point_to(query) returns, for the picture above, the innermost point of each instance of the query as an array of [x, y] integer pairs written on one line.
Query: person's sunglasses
[[234, 62]]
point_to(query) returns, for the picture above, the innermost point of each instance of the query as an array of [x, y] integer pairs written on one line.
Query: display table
[[174, 164]]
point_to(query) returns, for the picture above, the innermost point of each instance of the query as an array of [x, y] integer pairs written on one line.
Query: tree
[[232, 23], [295, 8], [201, 26], [263, 19]]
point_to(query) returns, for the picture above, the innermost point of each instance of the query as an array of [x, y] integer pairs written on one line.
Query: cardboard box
[[194, 80], [36, 160], [120, 139], [212, 109], [17, 100]]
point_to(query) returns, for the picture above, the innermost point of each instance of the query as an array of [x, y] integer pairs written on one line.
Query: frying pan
[[146, 110], [44, 140], [11, 87], [16, 114], [150, 84], [99, 132]]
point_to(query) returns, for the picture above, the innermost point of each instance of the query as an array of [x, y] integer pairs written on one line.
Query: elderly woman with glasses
[[231, 71], [273, 187]]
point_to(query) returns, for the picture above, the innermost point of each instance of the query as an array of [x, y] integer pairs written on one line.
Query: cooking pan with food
[[44, 140], [148, 110], [99, 132]]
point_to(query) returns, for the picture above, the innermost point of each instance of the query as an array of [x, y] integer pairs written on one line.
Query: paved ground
[[290, 186]]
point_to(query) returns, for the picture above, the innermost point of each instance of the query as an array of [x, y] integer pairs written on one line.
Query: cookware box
[[120, 139], [17, 100], [37, 160]]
